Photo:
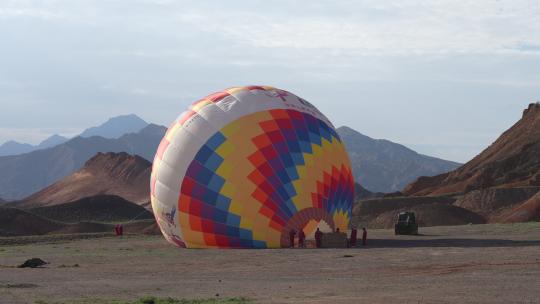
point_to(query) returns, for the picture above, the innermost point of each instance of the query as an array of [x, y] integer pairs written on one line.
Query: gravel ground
[[465, 264]]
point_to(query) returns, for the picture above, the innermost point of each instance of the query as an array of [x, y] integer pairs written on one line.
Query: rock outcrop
[[513, 160]]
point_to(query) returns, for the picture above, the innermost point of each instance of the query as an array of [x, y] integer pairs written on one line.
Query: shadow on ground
[[463, 243]]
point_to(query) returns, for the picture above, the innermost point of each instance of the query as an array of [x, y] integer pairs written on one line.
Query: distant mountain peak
[[52, 141], [12, 147], [116, 126], [380, 165], [120, 174]]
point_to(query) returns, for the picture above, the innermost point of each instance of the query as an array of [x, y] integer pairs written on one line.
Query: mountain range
[[383, 166], [378, 165], [13, 148], [119, 174], [500, 185], [24, 174], [115, 127]]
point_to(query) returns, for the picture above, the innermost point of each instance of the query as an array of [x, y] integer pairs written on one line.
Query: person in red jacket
[[364, 237], [121, 229], [354, 233], [318, 238], [301, 239], [292, 233]]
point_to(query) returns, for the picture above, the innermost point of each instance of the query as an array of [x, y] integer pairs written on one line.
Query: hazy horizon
[[443, 78]]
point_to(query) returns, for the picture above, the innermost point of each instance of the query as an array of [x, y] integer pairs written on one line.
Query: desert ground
[[463, 264]]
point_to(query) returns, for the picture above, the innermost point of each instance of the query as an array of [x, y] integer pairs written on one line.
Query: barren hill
[[513, 160], [15, 222], [101, 208], [528, 211], [494, 204], [430, 211], [118, 174]]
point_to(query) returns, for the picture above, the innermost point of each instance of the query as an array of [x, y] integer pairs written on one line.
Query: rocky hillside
[[22, 175], [110, 173], [100, 208], [492, 205], [383, 166], [430, 211], [513, 160], [528, 211]]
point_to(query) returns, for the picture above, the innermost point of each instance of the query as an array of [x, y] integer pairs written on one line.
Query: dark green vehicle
[[406, 224]]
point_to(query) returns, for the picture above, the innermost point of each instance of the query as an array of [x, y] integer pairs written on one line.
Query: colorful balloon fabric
[[243, 167]]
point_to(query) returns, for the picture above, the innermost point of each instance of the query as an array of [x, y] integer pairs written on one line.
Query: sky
[[443, 77]]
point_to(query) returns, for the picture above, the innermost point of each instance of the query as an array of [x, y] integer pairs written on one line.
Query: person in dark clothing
[[301, 239], [354, 233], [292, 234], [318, 238], [364, 237], [121, 229]]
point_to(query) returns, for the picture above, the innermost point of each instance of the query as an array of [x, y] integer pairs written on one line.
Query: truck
[[406, 224]]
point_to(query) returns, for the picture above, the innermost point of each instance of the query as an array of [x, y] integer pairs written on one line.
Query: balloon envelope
[[243, 167]]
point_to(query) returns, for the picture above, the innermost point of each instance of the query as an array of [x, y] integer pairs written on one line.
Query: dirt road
[[467, 264]]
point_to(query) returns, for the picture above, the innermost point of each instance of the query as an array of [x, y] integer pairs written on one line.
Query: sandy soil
[[467, 264]]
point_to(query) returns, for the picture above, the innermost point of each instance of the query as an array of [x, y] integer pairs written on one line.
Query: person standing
[[364, 237], [354, 233], [121, 229], [292, 233], [318, 238], [301, 239]]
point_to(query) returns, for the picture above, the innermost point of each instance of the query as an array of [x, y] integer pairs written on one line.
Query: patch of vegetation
[[69, 266], [18, 285], [155, 300]]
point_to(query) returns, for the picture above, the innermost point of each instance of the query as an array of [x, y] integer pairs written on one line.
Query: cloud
[[416, 27], [387, 68], [358, 28]]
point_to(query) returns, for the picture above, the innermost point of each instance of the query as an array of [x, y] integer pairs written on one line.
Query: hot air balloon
[[243, 167]]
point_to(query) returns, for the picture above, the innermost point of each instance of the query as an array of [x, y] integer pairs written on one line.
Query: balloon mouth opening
[[308, 220]]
